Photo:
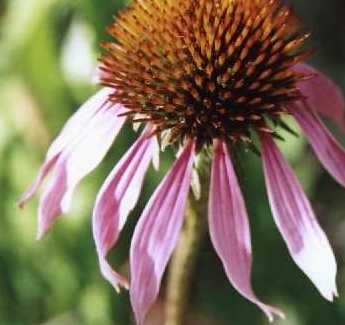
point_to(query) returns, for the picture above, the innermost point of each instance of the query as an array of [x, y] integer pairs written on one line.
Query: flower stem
[[185, 257]]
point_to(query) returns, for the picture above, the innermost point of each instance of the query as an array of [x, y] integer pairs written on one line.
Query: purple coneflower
[[203, 76]]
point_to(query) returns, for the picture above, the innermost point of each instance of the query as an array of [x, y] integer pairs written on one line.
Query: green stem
[[185, 257]]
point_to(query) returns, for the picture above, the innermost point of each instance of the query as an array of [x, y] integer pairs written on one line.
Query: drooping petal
[[325, 146], [307, 243], [42, 173], [79, 120], [229, 227], [77, 160], [322, 94], [70, 131], [116, 199], [156, 233]]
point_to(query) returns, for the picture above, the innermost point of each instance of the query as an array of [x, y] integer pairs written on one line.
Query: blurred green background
[[48, 54]]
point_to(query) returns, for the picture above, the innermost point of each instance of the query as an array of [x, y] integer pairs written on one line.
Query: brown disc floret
[[204, 69]]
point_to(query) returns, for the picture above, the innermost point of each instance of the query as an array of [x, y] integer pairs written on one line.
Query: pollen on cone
[[204, 69]]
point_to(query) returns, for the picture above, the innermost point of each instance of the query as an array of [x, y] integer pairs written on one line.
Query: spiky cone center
[[204, 69]]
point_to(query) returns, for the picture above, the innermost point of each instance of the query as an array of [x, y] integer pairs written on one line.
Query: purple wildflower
[[200, 74]]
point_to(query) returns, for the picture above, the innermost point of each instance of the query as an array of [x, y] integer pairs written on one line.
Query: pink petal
[[77, 160], [79, 120], [322, 94], [43, 172], [70, 131], [307, 243], [156, 233], [229, 227], [116, 199], [325, 146]]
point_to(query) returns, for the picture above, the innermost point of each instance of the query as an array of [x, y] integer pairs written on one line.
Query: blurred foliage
[[49, 51]]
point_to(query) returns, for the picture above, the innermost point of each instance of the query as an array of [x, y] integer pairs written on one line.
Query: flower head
[[200, 74], [204, 69]]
